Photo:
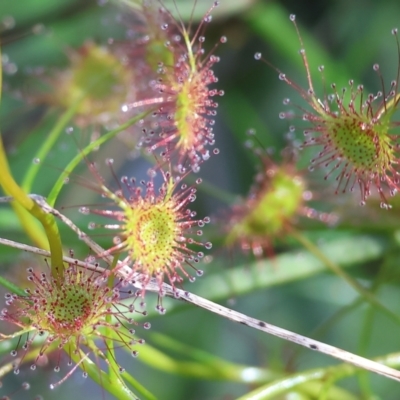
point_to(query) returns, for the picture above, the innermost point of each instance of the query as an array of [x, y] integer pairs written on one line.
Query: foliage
[[127, 200]]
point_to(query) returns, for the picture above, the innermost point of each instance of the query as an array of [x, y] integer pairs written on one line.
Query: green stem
[[31, 226], [281, 386], [221, 370], [11, 287], [110, 353], [138, 387], [208, 366], [52, 197], [368, 296], [367, 328], [48, 144], [114, 387]]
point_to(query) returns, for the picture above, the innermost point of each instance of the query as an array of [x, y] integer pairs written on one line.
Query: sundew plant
[[199, 200]]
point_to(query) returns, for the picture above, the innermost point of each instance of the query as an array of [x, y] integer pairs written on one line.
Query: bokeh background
[[347, 38]]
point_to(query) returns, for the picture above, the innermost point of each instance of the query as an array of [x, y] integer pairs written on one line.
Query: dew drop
[[69, 130], [36, 160], [223, 39], [257, 56], [84, 210], [292, 17], [151, 173], [8, 22], [10, 68], [195, 168], [161, 310]]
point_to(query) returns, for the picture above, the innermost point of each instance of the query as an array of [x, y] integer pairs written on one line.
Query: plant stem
[[115, 387], [52, 197], [206, 366], [110, 353], [48, 144], [282, 386], [48, 221], [11, 287]]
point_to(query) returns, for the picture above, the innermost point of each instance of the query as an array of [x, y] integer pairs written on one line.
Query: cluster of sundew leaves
[[163, 220], [180, 124], [355, 130], [156, 228], [71, 314]]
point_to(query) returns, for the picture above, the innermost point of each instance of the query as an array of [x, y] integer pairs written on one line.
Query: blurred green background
[[347, 38]]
